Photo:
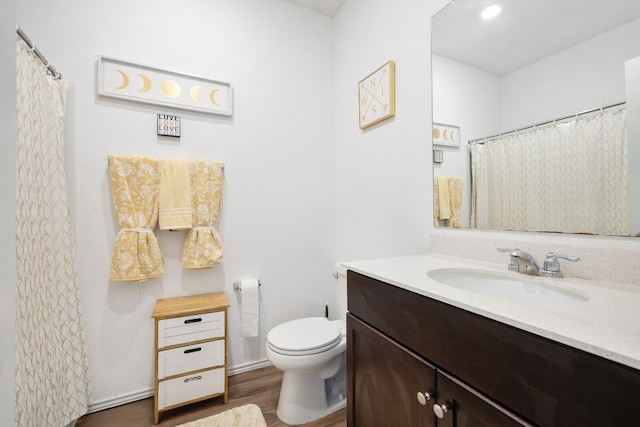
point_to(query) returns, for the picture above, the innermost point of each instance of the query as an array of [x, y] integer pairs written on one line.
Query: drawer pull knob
[[188, 380], [196, 320], [441, 410], [423, 398], [192, 350]]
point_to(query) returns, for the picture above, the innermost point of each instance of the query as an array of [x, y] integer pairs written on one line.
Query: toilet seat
[[306, 336]]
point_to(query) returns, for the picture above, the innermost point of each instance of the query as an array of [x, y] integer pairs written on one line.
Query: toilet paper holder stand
[[237, 285]]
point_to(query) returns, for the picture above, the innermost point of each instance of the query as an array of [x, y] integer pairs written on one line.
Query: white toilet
[[312, 354]]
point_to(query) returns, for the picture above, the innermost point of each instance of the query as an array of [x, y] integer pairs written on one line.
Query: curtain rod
[[591, 110], [51, 70]]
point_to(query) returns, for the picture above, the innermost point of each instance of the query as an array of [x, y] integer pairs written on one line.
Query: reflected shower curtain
[[51, 377], [570, 177]]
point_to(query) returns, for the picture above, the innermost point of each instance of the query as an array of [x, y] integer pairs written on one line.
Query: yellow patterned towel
[[442, 197], [175, 196], [134, 184], [202, 247]]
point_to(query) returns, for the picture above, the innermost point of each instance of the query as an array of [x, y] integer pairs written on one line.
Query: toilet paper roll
[[250, 307]]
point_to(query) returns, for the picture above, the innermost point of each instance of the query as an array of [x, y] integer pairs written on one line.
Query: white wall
[[384, 195], [278, 219], [7, 209]]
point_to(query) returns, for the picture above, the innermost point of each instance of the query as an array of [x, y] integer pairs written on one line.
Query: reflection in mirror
[[529, 92]]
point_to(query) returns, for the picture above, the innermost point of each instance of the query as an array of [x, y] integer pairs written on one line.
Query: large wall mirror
[[537, 116]]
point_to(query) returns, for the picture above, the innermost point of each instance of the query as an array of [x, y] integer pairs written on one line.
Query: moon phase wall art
[[134, 82], [446, 135]]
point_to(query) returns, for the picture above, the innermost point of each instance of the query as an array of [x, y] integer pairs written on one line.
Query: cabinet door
[[384, 380], [465, 407]]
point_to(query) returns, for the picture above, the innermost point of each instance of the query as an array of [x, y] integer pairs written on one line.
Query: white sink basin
[[505, 285]]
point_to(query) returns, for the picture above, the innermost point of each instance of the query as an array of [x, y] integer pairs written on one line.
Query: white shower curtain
[[51, 379], [571, 177]]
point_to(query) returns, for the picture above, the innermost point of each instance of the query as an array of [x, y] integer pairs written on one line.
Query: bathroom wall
[[278, 218], [383, 173], [7, 208]]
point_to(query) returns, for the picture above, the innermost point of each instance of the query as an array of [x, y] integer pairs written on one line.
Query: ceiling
[[525, 31], [326, 7]]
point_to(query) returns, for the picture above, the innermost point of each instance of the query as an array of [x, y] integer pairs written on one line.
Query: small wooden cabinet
[[190, 350]]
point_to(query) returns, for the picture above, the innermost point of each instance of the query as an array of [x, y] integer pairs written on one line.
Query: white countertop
[[607, 325]]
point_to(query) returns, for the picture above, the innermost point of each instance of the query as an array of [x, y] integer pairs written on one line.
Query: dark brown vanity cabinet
[[479, 372], [387, 378]]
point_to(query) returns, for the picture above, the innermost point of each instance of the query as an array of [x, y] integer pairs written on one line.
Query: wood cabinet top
[[181, 306]]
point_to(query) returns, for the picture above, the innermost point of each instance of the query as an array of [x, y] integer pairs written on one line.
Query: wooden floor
[[260, 387]]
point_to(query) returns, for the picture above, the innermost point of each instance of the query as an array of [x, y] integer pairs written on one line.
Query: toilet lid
[[304, 336]]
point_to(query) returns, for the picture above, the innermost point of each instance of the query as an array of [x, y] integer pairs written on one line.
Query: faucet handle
[[503, 250], [551, 267], [513, 264]]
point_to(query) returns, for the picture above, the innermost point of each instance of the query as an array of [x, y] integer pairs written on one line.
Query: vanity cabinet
[[190, 350], [485, 372]]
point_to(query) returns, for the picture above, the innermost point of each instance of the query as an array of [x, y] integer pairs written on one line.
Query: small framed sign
[[437, 156], [168, 125]]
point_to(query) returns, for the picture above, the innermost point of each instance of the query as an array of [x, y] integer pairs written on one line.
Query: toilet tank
[[341, 291]]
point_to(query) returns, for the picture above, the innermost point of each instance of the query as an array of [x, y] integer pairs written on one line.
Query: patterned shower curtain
[[569, 177], [51, 376]]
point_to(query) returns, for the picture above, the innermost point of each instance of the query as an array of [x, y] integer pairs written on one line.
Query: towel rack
[[222, 165], [237, 285]]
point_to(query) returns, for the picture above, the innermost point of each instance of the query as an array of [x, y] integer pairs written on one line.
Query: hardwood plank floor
[[260, 387]]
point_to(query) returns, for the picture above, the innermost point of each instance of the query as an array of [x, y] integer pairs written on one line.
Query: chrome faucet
[[522, 262], [551, 266]]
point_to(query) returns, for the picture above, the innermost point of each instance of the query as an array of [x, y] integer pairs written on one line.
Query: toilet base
[[303, 398]]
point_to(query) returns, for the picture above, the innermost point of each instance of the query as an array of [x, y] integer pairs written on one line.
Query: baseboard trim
[[248, 367], [103, 404]]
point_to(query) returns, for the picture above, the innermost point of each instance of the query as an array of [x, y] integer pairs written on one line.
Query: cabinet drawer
[[190, 358], [186, 329], [190, 387]]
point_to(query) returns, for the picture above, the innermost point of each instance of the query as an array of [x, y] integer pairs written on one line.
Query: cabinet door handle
[[188, 380], [442, 409], [424, 397], [196, 320], [192, 350]]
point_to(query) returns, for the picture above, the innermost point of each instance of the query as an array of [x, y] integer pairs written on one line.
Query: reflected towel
[[175, 196], [442, 188], [455, 200]]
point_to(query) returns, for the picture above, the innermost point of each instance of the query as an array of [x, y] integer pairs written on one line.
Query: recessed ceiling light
[[491, 12]]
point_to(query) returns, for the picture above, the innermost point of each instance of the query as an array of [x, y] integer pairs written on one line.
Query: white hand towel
[[250, 311]]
